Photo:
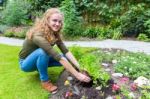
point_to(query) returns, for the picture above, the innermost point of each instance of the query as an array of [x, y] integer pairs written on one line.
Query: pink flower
[[124, 79], [133, 86], [115, 87], [68, 94]]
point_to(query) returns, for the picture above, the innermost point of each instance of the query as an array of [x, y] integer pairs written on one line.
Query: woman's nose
[[57, 23]]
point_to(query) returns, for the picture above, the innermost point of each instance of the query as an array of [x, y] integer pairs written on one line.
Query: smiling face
[[55, 22]]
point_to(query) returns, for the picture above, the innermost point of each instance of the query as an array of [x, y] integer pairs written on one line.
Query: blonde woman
[[38, 53]]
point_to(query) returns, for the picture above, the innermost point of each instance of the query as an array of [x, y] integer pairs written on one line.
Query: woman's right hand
[[83, 77]]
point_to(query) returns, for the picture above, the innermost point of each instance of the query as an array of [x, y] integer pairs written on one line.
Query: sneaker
[[49, 87]]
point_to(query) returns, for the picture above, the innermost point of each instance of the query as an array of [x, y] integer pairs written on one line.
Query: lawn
[[16, 84]]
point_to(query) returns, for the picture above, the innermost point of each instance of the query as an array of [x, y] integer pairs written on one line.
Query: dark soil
[[85, 89]]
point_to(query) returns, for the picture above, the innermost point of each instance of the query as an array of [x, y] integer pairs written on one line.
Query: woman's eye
[[55, 20]]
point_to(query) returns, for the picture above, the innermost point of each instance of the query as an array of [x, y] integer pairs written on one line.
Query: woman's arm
[[73, 71], [70, 56]]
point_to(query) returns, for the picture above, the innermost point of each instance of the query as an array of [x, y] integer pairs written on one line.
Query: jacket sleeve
[[41, 42], [61, 46]]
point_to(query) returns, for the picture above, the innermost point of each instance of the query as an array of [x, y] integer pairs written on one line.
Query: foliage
[[147, 25], [129, 64], [72, 23], [90, 63], [145, 93], [43, 5], [78, 52], [129, 16], [116, 34], [19, 32], [91, 32], [3, 28], [143, 37], [104, 32], [132, 20], [15, 12]]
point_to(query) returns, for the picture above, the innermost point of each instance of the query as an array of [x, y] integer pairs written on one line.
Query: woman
[[38, 53]]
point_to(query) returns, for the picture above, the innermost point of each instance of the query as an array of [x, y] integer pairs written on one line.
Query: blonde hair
[[41, 25]]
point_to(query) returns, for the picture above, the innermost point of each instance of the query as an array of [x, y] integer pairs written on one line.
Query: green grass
[[16, 84]]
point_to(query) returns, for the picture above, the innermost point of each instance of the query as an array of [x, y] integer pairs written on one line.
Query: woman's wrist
[[76, 74]]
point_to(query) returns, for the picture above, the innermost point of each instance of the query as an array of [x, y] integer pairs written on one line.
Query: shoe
[[47, 85]]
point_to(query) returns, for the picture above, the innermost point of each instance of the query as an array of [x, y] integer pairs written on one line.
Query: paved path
[[133, 46]]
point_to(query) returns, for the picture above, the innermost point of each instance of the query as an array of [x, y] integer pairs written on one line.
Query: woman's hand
[[83, 77]]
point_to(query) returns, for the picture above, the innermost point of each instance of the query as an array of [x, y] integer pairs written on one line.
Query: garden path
[[132, 46]]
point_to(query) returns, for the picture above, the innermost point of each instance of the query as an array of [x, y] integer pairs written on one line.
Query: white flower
[[126, 73], [114, 61], [131, 95], [130, 69], [134, 62]]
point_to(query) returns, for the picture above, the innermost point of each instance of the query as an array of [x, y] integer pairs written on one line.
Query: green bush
[[43, 5], [9, 34], [147, 26], [104, 32], [91, 32], [15, 12], [132, 20], [143, 37], [3, 28], [19, 32], [72, 23], [116, 34]]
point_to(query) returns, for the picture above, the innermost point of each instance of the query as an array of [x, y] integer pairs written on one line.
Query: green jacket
[[39, 41]]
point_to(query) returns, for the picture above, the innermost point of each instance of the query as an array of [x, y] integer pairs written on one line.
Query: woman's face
[[55, 22]]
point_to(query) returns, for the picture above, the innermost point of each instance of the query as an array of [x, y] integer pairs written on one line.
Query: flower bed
[[107, 82]]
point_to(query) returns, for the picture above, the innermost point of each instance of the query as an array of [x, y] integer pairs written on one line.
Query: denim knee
[[24, 68], [41, 52]]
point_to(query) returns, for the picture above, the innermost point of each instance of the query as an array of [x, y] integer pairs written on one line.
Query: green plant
[[20, 34], [104, 32], [143, 37], [130, 63], [90, 63], [72, 22], [132, 20], [42, 5], [116, 34], [91, 32], [77, 52], [147, 25], [15, 12], [145, 94], [3, 28], [9, 34]]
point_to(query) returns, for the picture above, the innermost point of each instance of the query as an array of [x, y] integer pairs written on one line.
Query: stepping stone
[[117, 75]]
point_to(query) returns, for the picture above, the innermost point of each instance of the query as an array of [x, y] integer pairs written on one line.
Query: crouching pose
[[38, 53]]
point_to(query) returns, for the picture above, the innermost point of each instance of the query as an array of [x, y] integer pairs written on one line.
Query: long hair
[[41, 25]]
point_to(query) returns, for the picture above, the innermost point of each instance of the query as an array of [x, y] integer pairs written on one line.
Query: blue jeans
[[38, 60]]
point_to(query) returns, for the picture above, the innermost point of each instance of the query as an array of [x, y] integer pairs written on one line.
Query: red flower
[[115, 87]]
